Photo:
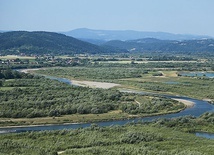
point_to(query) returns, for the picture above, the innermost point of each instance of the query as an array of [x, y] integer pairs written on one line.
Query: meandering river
[[199, 108]]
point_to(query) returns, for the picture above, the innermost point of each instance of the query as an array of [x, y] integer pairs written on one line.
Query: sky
[[174, 16]]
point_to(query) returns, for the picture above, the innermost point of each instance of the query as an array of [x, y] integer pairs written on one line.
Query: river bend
[[199, 108]]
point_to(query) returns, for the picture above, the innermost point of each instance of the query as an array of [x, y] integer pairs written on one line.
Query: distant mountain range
[[44, 43], [97, 36], [156, 45], [38, 43]]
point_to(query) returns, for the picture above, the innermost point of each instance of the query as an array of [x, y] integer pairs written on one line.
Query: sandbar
[[92, 84], [189, 104]]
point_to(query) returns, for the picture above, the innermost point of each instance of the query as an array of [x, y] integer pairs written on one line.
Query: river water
[[198, 74], [199, 108], [205, 135]]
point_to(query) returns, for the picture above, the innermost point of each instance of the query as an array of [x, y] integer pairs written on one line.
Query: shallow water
[[205, 135], [198, 74]]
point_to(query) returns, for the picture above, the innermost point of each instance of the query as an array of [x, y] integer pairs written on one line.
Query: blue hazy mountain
[[106, 35], [152, 44]]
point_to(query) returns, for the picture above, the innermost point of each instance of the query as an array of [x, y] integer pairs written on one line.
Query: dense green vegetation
[[167, 137], [178, 66], [95, 73], [201, 88], [138, 78], [40, 97], [151, 105], [12, 74], [42, 100]]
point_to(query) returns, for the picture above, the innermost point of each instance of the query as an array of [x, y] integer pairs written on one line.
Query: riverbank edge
[[187, 103], [96, 121]]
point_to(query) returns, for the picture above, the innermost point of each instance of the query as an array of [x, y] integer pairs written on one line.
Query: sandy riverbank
[[186, 102], [92, 84], [29, 70], [37, 125]]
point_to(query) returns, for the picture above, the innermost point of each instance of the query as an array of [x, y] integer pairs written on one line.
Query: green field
[[16, 57]]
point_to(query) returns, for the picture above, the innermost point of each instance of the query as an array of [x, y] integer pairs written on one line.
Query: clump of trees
[[13, 74], [208, 117], [137, 137], [189, 123], [157, 74], [152, 105], [44, 97]]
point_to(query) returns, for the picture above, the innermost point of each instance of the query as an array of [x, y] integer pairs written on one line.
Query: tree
[[8, 74]]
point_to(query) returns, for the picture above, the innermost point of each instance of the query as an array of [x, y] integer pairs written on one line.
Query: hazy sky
[[175, 16]]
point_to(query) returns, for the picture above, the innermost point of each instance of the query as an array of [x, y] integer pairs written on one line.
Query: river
[[198, 74], [199, 108], [205, 135]]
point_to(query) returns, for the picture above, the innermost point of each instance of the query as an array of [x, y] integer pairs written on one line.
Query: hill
[[151, 44], [38, 43], [107, 35], [18, 42]]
